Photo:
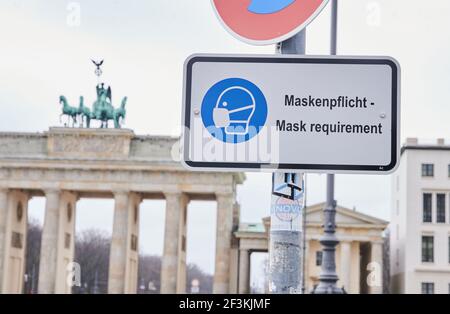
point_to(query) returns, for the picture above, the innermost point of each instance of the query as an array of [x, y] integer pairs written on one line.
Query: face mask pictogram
[[234, 109]]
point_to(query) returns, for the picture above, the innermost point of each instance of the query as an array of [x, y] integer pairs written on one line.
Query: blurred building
[[420, 223], [68, 164], [359, 253]]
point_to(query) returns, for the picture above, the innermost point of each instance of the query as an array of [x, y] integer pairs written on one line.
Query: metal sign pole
[[328, 276], [286, 228]]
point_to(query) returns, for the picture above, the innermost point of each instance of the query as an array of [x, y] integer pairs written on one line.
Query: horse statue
[[69, 111], [119, 114], [84, 113]]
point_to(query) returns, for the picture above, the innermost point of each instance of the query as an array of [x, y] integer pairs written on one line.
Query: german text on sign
[[284, 113]]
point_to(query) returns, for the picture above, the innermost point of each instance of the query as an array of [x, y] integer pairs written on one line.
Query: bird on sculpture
[[98, 64]]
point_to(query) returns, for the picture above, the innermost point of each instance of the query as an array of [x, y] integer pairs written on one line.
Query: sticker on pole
[[288, 185], [265, 22], [291, 114], [288, 201]]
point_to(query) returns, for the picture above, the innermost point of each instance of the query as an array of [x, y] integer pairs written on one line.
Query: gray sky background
[[144, 44]]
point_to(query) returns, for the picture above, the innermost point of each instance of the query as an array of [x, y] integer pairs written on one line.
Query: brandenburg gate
[[66, 164]]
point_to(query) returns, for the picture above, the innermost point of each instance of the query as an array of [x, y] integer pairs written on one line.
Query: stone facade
[[66, 164]]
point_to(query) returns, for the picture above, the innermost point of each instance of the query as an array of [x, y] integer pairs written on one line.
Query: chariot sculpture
[[102, 109]]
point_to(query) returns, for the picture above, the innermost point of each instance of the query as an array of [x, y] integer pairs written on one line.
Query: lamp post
[[328, 276]]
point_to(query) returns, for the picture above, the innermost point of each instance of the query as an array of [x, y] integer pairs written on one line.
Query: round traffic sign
[[265, 22]]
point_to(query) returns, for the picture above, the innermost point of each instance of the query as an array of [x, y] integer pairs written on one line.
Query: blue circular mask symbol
[[234, 110]]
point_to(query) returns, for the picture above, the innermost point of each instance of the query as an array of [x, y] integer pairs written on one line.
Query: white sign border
[[258, 167], [274, 40]]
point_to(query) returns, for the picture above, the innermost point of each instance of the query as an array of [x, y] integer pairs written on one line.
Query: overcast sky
[[46, 47]]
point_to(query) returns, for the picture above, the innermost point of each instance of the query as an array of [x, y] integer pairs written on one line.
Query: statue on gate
[[102, 108]]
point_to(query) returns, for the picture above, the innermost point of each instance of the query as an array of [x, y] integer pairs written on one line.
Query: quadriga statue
[[102, 109]]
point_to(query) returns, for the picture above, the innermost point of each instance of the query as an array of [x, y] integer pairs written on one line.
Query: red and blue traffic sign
[[265, 22]]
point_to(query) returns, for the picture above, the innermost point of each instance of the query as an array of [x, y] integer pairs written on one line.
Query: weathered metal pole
[[333, 37], [286, 231], [304, 236], [328, 276]]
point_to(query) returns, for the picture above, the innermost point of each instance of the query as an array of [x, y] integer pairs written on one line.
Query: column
[[244, 271], [49, 243], [3, 215], [234, 253], [375, 278], [119, 241], [223, 242], [132, 264], [356, 268], [57, 243], [14, 242], [182, 249], [65, 276], [234, 270], [236, 215], [172, 268], [345, 265]]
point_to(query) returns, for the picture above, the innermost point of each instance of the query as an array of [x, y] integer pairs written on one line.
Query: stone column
[[14, 242], [172, 268], [375, 280], [65, 274], [182, 250], [3, 216], [49, 243], [57, 244], [345, 265], [234, 270], [119, 241], [223, 242], [131, 270], [244, 271], [123, 257], [234, 253], [355, 269], [236, 215]]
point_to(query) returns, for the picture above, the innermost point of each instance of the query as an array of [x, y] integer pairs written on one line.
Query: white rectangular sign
[[291, 113]]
